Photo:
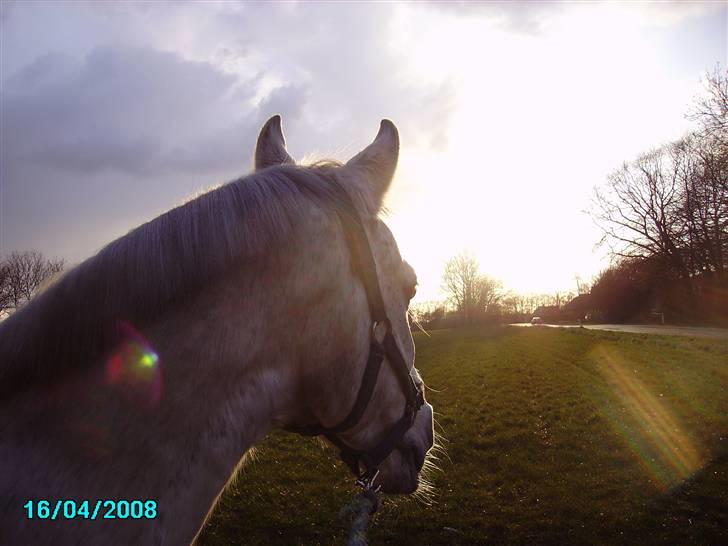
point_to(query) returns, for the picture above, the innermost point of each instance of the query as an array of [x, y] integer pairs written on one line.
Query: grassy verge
[[553, 437]]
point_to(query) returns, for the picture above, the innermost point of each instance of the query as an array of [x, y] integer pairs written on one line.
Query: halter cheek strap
[[365, 267], [372, 457]]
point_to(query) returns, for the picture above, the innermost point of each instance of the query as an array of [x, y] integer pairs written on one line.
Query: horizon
[[115, 113]]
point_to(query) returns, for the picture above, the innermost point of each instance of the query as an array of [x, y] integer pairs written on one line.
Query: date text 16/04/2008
[[97, 509]]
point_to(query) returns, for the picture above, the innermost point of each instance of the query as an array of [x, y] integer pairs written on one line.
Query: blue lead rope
[[359, 511]]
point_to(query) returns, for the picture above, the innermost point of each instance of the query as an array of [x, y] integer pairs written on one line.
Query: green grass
[[552, 436]]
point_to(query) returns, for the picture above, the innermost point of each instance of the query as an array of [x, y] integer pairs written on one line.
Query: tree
[[624, 290], [460, 283], [433, 317], [6, 297], [489, 294], [470, 292], [582, 286], [711, 109], [703, 182], [671, 205], [514, 304], [22, 275], [637, 209]]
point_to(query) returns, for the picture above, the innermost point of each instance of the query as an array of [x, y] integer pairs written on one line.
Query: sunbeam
[[646, 424]]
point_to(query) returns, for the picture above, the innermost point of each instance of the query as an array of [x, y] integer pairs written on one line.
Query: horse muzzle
[[400, 471]]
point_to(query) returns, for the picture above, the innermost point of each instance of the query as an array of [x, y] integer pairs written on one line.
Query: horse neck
[[222, 383], [231, 363]]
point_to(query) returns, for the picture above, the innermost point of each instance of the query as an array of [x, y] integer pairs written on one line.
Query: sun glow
[[652, 432], [538, 119]]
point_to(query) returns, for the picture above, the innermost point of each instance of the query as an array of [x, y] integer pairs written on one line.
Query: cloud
[[146, 111], [526, 16], [6, 10], [133, 110], [672, 12], [288, 101], [531, 16], [128, 110]]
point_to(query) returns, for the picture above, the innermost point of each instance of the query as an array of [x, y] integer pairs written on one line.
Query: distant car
[[535, 321]]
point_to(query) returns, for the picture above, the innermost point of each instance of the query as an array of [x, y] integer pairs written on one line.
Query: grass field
[[553, 437]]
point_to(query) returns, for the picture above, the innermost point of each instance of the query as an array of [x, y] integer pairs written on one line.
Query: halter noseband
[[365, 267]]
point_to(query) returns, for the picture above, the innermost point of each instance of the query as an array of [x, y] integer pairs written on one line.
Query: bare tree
[[514, 304], [6, 298], [25, 273], [638, 210], [666, 215], [703, 183], [711, 109], [559, 299], [582, 286], [469, 291], [489, 293], [460, 283]]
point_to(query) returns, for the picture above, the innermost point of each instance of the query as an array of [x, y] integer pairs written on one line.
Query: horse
[[136, 384]]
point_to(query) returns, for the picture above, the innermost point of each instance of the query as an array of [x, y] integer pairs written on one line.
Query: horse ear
[[271, 147], [377, 162]]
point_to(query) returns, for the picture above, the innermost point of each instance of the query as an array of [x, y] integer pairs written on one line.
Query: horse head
[[369, 399]]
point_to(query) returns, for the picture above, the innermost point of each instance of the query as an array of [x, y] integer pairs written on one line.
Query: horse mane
[[137, 277]]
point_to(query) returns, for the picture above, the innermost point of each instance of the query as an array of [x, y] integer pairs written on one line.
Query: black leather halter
[[365, 267]]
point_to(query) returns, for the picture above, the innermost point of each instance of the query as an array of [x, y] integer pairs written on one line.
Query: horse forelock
[[141, 275]]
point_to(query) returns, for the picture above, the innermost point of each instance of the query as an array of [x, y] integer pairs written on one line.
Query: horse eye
[[410, 291]]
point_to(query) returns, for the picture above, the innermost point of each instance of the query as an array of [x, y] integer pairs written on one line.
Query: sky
[[509, 114]]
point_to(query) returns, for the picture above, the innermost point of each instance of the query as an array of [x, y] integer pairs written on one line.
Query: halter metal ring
[[366, 482], [374, 330], [376, 323]]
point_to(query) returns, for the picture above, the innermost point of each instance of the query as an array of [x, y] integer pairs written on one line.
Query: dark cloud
[[114, 139], [116, 125], [133, 110], [144, 111]]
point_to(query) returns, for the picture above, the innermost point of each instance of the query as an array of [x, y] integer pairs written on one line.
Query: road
[[665, 330]]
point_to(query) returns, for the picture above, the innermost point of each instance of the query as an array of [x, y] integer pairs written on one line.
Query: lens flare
[[134, 367], [646, 424]]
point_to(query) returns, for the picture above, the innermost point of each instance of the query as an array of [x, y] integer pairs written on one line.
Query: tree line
[[21, 275], [474, 297], [664, 216]]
